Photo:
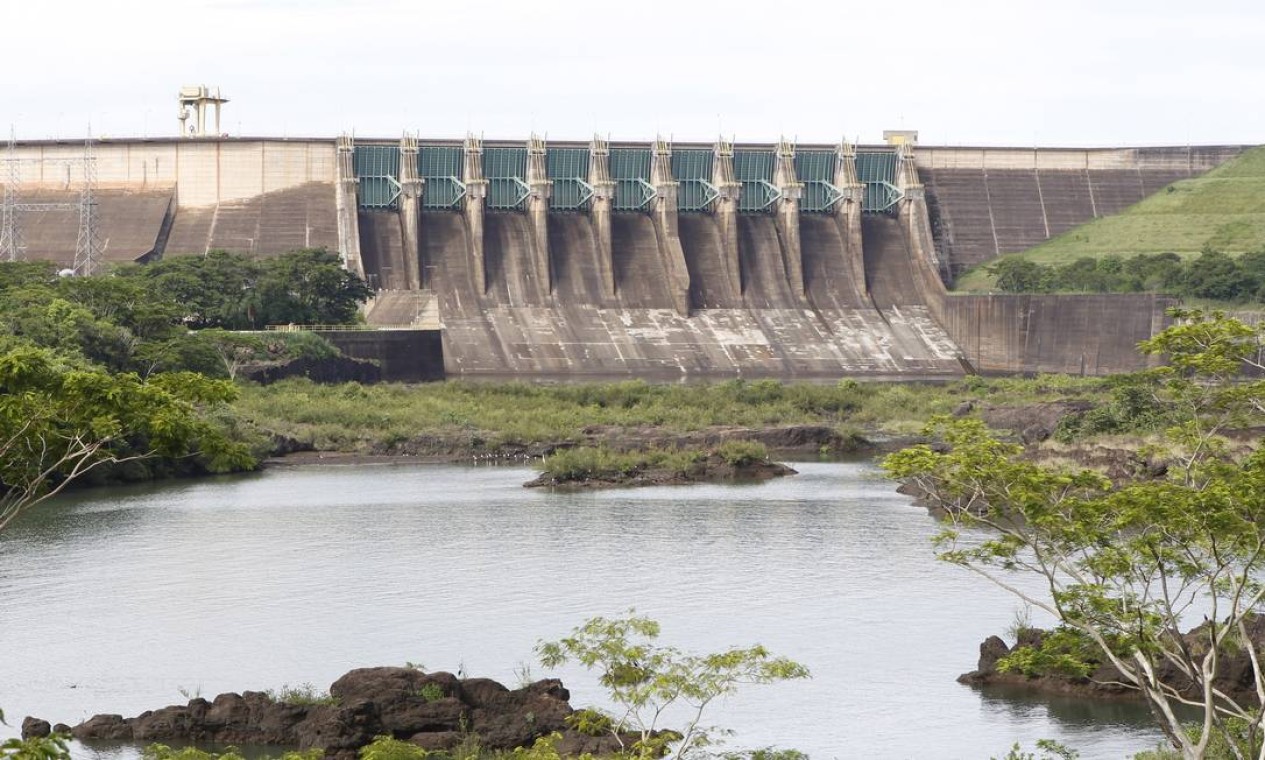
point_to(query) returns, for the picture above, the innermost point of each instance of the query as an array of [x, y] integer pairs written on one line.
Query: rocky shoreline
[[1234, 677], [435, 711]]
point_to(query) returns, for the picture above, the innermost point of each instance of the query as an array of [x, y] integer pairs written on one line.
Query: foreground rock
[[712, 469], [435, 711], [1234, 672]]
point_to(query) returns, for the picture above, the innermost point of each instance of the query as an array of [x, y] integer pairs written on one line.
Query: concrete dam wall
[[263, 196], [518, 326], [642, 260]]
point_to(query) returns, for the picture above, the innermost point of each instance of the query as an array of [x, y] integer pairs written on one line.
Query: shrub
[[742, 453], [390, 748], [302, 694], [431, 692], [590, 722]]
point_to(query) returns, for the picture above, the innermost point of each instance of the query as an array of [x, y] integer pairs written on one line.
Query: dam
[[658, 260]]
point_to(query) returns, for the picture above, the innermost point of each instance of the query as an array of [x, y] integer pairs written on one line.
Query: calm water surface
[[115, 601]]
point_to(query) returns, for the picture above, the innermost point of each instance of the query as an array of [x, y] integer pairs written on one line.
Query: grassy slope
[[1224, 208]]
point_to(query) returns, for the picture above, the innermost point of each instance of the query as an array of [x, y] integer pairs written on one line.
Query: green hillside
[[1223, 209]]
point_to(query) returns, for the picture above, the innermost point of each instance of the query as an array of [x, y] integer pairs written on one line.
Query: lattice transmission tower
[[88, 243], [88, 247], [11, 244]]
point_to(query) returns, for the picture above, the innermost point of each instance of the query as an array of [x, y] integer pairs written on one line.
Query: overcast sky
[[984, 73]]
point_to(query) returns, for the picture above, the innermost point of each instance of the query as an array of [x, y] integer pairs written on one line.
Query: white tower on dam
[[200, 99]]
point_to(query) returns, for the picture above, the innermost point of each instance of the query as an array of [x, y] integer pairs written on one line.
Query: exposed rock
[[34, 728], [432, 710], [1035, 422], [992, 650], [1235, 675]]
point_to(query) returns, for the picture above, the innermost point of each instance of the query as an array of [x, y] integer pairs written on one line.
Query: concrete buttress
[[475, 198], [664, 215], [790, 190], [539, 190], [725, 209], [411, 187], [346, 203], [916, 223], [847, 216], [600, 209]]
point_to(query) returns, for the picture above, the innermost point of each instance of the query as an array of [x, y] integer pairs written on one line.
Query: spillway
[[587, 260]]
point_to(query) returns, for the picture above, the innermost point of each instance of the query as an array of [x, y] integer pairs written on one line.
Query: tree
[[310, 287], [644, 679], [57, 423], [1216, 275], [1126, 567], [1019, 275]]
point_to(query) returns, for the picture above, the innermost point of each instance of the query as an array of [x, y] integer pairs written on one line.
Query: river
[[126, 599]]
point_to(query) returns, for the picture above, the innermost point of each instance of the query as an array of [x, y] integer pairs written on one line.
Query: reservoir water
[[126, 599]]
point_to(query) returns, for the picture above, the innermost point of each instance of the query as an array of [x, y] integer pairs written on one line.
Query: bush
[[742, 453], [390, 748], [302, 694]]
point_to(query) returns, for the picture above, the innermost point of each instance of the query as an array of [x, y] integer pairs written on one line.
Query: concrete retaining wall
[[405, 356], [1074, 334]]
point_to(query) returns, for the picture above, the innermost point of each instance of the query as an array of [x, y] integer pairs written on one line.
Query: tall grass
[[353, 417]]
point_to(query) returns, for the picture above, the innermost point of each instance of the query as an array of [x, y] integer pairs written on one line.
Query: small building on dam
[[658, 260]]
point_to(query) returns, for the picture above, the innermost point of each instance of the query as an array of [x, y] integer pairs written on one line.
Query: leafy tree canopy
[[1127, 568]]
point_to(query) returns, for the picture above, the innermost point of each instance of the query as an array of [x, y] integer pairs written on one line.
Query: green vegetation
[[59, 422], [302, 694], [1062, 652], [588, 462], [583, 463], [238, 292], [1123, 563], [487, 416], [390, 748], [742, 453], [431, 692], [173, 315], [1211, 276], [644, 678], [164, 752], [52, 747], [1223, 210], [1049, 749], [1237, 742]]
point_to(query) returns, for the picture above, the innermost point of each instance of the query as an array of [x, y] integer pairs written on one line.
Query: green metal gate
[[630, 170], [569, 170], [754, 169], [816, 170], [506, 172], [441, 168], [876, 169], [692, 169], [378, 169]]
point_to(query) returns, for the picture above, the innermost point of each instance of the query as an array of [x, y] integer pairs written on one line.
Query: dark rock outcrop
[[432, 710], [1235, 676], [34, 728]]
